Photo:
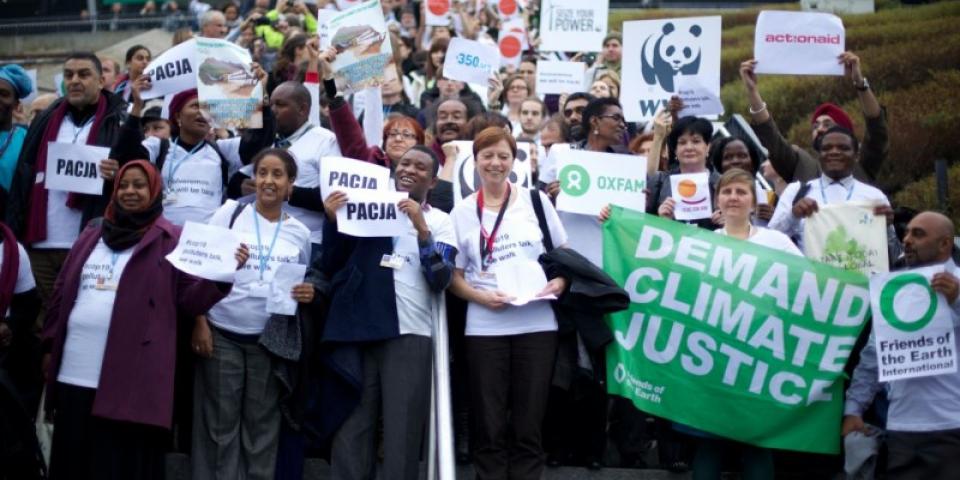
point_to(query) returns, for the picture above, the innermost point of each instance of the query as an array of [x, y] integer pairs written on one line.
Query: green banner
[[730, 337]]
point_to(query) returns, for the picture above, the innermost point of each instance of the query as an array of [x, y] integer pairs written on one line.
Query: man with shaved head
[[923, 420]]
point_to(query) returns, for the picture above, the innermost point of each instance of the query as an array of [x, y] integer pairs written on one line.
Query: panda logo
[[672, 53]]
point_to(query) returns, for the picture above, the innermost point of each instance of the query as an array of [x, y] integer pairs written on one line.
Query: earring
[[596, 132]]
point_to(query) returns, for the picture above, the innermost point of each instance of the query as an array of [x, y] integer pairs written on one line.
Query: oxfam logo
[[574, 180], [905, 295]]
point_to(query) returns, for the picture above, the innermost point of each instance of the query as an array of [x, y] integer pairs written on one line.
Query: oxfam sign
[[575, 180], [907, 302]]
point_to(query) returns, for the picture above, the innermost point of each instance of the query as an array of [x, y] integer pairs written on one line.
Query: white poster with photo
[[466, 179], [657, 53], [848, 236], [74, 167], [346, 174], [438, 13], [470, 61], [206, 251], [172, 71], [227, 88], [347, 4], [363, 46], [573, 25], [691, 194], [912, 325], [590, 181], [798, 43], [560, 77], [370, 213]]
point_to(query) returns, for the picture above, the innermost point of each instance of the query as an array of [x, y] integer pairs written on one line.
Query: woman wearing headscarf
[[110, 333], [15, 85]]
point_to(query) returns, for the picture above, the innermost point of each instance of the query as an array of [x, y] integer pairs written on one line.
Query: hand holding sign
[[369, 213], [798, 43]]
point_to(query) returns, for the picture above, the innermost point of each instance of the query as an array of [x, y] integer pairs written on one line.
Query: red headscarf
[[122, 229], [179, 101]]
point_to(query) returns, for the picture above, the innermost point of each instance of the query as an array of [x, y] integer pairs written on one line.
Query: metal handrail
[[440, 463], [100, 24]]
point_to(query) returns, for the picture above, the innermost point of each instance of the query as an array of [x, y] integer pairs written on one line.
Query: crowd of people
[[131, 358]]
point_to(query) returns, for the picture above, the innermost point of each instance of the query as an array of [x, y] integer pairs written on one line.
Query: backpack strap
[[236, 213], [541, 219], [162, 155], [224, 165]]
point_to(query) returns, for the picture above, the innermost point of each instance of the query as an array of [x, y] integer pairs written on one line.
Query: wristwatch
[[863, 87]]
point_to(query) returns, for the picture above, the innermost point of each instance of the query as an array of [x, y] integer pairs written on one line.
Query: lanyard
[[265, 258], [114, 256], [76, 131], [175, 164], [287, 142], [487, 240], [823, 193]]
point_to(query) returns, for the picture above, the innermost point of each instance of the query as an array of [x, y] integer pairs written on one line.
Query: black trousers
[[923, 455], [87, 447], [509, 385]]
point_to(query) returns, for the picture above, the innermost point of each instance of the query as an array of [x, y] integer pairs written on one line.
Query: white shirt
[[244, 311], [193, 183], [308, 147], [769, 238], [90, 316], [518, 240], [414, 296], [25, 280], [832, 192], [63, 222]]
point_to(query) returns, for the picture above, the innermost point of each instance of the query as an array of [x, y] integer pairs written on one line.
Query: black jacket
[[590, 295], [92, 206]]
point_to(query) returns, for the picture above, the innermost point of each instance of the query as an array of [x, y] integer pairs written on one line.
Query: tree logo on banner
[[574, 180], [672, 53], [902, 297]]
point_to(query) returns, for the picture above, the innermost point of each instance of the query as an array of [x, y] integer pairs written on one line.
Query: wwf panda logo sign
[[661, 56]]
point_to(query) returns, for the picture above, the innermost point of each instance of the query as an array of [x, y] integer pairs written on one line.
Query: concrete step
[[178, 468]]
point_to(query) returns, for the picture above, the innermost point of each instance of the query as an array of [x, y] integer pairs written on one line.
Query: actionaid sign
[[798, 43]]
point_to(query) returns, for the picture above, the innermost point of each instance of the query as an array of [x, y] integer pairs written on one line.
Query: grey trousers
[[923, 455], [396, 382], [236, 413]]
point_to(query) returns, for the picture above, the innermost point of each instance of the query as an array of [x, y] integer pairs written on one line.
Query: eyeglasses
[[567, 112], [517, 88], [402, 135], [616, 117]]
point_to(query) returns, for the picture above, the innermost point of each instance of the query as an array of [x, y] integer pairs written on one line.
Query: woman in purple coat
[[111, 337]]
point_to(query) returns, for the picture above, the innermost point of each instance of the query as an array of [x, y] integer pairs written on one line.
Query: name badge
[[40, 177], [104, 285], [260, 289], [393, 261], [487, 276]]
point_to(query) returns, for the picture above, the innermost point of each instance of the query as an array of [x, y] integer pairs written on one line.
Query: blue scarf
[[10, 145]]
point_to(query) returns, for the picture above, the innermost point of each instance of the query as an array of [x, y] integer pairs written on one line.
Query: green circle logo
[[574, 180], [889, 294]]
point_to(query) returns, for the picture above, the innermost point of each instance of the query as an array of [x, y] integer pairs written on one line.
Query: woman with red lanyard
[[510, 346]]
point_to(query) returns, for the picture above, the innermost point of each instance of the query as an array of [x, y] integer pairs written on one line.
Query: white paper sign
[[798, 43], [74, 167], [467, 180], [511, 49], [206, 251], [573, 25], [324, 15], [470, 61], [590, 181], [847, 236], [287, 276], [438, 13], [172, 71], [656, 53], [697, 100], [370, 213], [346, 174], [691, 192], [912, 325], [522, 280], [560, 77]]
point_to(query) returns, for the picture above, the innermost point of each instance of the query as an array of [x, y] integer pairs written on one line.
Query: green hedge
[[922, 195]]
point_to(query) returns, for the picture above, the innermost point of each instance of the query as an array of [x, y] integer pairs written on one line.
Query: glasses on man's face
[[518, 88], [616, 117], [568, 112], [401, 135]]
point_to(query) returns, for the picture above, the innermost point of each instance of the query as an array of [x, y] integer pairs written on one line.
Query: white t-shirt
[[25, 280], [770, 238], [518, 240], [193, 183], [313, 145], [244, 311], [63, 222], [414, 297], [90, 316]]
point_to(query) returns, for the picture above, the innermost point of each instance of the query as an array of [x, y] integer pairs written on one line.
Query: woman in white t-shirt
[[237, 417], [19, 305], [510, 346]]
